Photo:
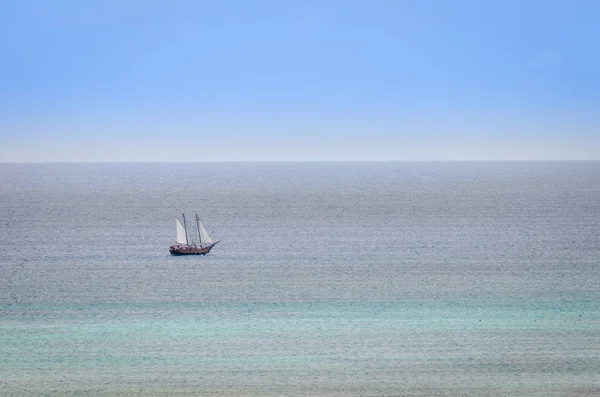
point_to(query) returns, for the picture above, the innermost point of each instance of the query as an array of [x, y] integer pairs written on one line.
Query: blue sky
[[299, 80]]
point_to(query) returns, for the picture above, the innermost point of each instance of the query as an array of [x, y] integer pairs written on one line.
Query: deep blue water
[[331, 279]]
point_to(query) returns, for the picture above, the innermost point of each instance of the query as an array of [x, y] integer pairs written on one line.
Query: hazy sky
[[299, 80]]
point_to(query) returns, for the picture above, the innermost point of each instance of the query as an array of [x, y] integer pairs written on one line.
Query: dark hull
[[190, 249]]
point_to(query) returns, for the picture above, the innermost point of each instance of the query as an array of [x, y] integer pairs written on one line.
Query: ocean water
[[331, 279]]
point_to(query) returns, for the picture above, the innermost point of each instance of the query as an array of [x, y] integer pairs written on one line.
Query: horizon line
[[307, 161]]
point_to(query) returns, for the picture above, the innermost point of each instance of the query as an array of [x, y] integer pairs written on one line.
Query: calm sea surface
[[331, 279]]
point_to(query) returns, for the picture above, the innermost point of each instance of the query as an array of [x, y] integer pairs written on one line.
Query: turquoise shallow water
[[435, 279], [417, 347]]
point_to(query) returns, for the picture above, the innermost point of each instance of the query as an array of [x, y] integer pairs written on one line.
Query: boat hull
[[177, 250]]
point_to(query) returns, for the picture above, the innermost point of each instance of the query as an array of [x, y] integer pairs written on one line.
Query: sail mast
[[198, 227], [187, 242], [199, 239]]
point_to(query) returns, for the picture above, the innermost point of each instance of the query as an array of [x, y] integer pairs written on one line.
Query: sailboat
[[185, 244]]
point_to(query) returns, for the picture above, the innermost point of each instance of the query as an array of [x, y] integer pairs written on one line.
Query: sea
[[330, 279]]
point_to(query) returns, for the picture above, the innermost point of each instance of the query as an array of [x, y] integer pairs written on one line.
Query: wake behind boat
[[185, 244]]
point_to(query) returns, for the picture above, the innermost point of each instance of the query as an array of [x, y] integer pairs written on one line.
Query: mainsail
[[181, 234], [204, 237]]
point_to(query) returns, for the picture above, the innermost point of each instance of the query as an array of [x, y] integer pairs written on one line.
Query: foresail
[[181, 235], [204, 237]]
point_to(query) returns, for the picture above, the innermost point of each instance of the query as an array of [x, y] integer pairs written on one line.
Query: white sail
[[204, 237], [181, 235]]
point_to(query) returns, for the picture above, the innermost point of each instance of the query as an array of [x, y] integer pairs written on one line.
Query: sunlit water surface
[[364, 279]]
